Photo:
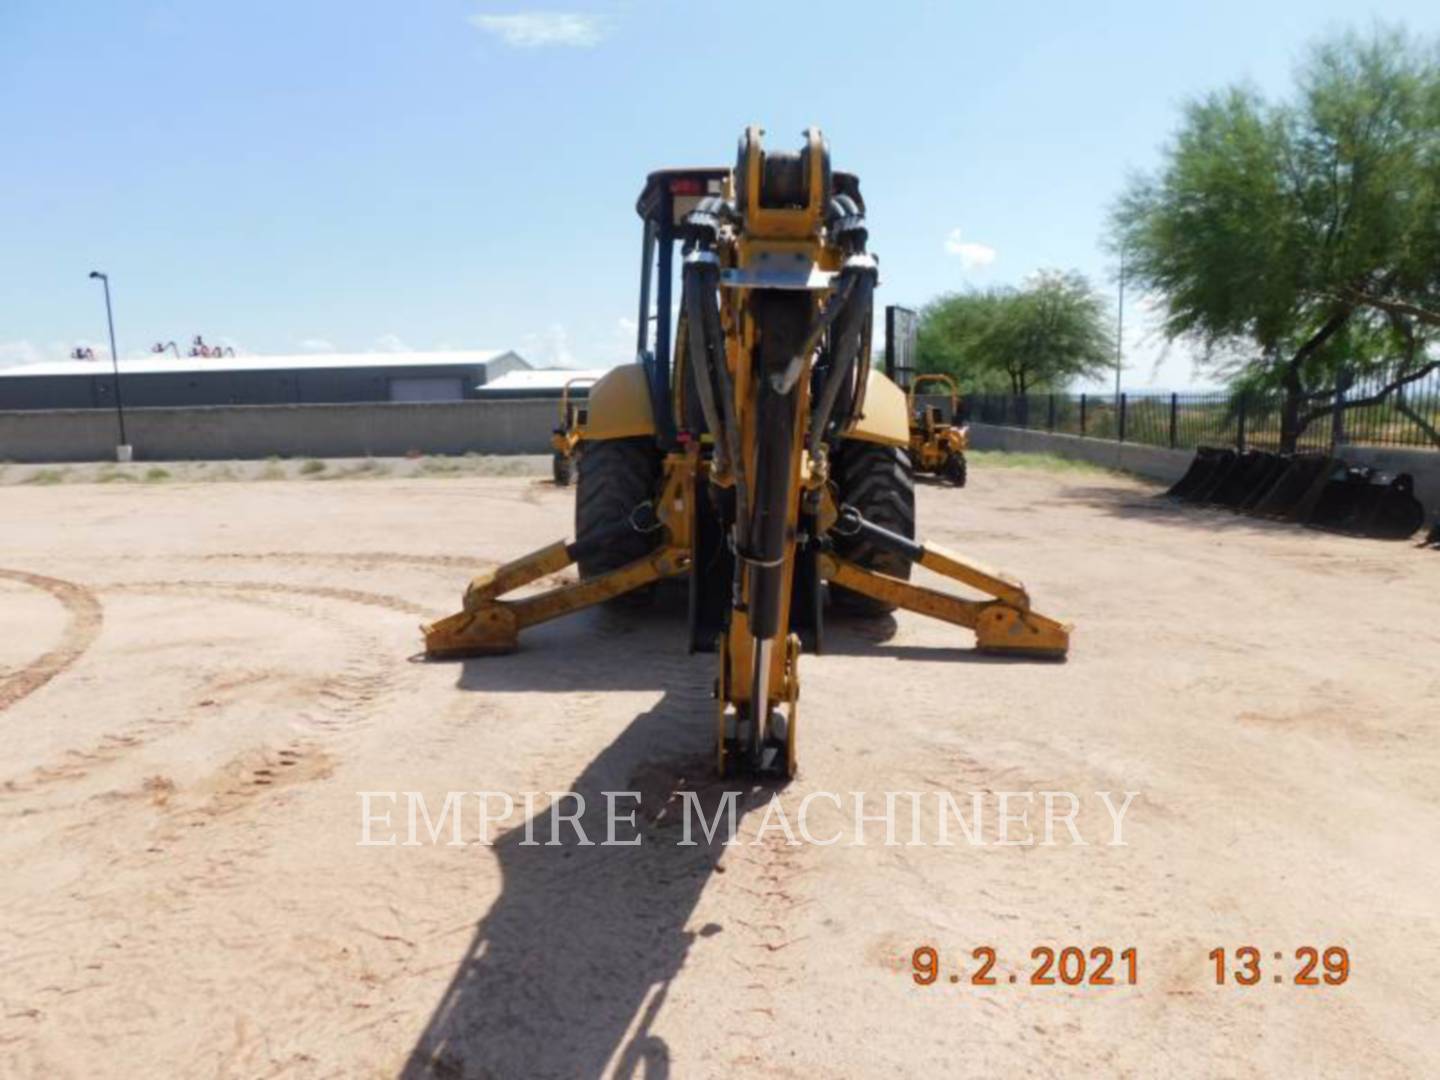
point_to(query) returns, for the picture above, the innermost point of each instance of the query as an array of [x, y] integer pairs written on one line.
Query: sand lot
[[197, 680]]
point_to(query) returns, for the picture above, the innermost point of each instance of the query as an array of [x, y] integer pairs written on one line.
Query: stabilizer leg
[[488, 626], [1005, 624]]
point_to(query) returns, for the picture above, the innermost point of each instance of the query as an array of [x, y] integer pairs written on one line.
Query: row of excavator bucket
[[1312, 489]]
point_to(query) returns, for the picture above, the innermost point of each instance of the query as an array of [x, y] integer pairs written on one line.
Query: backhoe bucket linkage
[[744, 449]]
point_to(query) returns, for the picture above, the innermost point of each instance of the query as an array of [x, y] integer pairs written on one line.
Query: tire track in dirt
[[323, 592], [341, 698], [337, 701], [361, 558], [80, 632]]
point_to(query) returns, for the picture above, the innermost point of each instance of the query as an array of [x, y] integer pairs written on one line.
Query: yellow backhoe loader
[[937, 442], [565, 440], [761, 460]]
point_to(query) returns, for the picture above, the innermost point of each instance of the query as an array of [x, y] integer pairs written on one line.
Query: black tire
[[561, 467], [616, 475], [955, 470], [879, 482]]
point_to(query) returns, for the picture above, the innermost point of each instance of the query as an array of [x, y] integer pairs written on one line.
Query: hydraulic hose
[[848, 337], [785, 380], [702, 312], [731, 424], [702, 275]]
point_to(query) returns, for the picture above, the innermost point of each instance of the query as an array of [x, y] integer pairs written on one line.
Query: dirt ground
[[197, 681]]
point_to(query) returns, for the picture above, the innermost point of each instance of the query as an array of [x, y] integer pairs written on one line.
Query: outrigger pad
[[1004, 631], [490, 630]]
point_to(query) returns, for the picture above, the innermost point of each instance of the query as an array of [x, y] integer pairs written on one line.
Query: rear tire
[[877, 481], [616, 476], [955, 470], [561, 467]]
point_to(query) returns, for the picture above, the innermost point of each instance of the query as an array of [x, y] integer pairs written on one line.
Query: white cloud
[[317, 345], [973, 256], [550, 348], [21, 352], [626, 327], [537, 29], [390, 343]]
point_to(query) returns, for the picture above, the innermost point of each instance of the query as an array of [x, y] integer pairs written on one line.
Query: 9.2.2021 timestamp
[[1066, 966]]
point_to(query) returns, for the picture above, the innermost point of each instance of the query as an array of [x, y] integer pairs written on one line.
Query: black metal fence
[[1408, 417]]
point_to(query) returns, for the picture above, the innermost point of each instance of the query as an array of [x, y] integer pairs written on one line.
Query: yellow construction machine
[[937, 442], [761, 460], [565, 440]]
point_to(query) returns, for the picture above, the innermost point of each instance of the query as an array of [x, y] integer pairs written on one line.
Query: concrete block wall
[[1167, 466], [231, 432]]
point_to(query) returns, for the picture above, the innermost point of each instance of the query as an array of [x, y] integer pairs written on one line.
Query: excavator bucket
[[1295, 489], [1364, 502], [1265, 481], [1309, 489], [1210, 463], [1253, 471], [1433, 540]]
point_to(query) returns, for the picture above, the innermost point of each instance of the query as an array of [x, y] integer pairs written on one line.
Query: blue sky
[[366, 175]]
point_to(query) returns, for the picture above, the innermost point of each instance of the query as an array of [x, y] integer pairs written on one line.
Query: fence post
[[1174, 418], [1240, 424], [1052, 412], [1082, 414], [1122, 416], [1337, 419]]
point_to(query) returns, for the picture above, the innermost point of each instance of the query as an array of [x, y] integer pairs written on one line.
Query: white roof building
[[163, 380], [543, 382], [167, 363]]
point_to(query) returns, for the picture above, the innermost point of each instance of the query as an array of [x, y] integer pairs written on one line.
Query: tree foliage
[[1038, 337], [1299, 242]]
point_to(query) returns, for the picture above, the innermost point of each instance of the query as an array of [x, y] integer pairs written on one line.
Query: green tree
[[1039, 337], [1297, 242]]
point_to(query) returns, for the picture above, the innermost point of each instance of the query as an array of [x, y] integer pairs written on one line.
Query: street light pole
[[123, 448], [1120, 329]]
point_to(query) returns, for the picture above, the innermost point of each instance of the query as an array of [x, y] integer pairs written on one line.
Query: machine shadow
[[570, 966], [598, 649]]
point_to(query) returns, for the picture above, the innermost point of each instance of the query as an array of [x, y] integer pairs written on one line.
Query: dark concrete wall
[[258, 431]]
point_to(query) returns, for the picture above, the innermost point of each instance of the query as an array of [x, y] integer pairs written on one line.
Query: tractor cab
[[668, 197]]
